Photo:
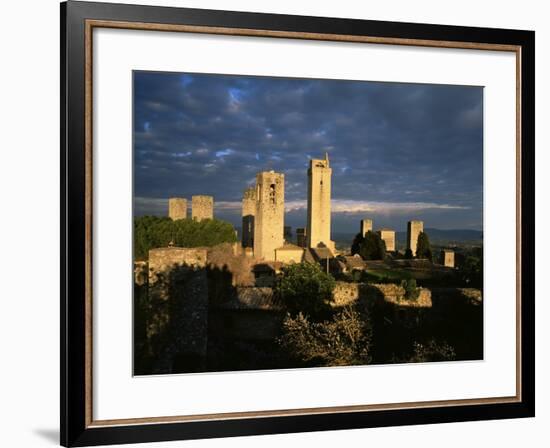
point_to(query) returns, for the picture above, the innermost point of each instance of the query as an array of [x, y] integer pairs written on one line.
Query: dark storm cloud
[[398, 151]]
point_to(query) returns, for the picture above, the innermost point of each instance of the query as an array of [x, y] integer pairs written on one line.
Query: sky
[[397, 151]]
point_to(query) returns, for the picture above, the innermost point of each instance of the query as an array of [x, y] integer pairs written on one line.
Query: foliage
[[423, 246], [432, 351], [151, 232], [408, 254], [471, 272], [342, 341], [370, 246], [306, 288], [356, 244], [411, 291]]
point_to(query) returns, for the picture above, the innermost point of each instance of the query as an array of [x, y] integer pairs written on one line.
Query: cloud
[[390, 144], [337, 206]]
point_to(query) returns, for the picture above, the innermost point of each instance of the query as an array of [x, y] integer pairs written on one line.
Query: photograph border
[[78, 20]]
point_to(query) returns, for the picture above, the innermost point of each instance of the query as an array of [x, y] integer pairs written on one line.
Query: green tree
[[411, 291], [372, 247], [306, 288], [471, 271], [342, 341], [423, 246], [356, 244], [151, 232]]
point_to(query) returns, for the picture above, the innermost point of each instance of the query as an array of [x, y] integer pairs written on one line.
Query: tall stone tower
[[388, 236], [413, 230], [202, 207], [269, 215], [177, 208], [249, 210], [366, 226], [318, 203]]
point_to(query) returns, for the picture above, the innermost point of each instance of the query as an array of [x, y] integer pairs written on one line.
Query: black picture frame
[[75, 342]]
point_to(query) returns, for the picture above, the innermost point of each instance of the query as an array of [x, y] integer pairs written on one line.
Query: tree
[[408, 254], [306, 288], [342, 341], [411, 291], [356, 244], [372, 247], [423, 247], [471, 271], [151, 232]]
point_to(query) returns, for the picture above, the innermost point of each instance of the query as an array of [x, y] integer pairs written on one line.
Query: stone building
[[413, 230], [388, 236], [177, 208], [269, 215], [318, 203], [448, 258], [301, 237], [366, 226], [248, 212], [202, 207], [289, 253]]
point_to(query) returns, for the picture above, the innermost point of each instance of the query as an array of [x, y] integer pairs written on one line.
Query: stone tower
[[366, 226], [202, 207], [448, 258], [318, 203], [413, 230], [388, 236], [269, 215], [249, 210], [177, 208]]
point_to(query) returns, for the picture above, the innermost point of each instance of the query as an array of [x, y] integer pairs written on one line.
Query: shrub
[[433, 351], [306, 288], [411, 291], [344, 340], [370, 246]]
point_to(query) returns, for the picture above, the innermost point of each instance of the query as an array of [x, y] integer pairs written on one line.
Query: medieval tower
[[318, 203], [249, 210], [366, 226], [269, 214], [177, 208], [413, 230], [202, 207], [388, 236]]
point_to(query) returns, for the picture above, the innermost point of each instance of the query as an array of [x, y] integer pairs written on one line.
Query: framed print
[[283, 224]]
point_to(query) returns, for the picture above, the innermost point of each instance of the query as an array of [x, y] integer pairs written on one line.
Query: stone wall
[[289, 254], [177, 328], [346, 293], [202, 207]]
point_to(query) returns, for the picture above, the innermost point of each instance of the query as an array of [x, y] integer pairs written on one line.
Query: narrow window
[[272, 193]]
